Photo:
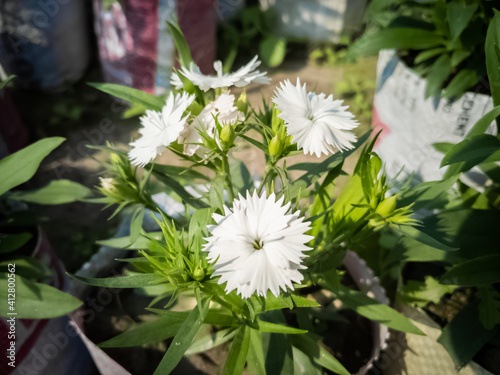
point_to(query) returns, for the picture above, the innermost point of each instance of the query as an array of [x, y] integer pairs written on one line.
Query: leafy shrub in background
[[444, 41]]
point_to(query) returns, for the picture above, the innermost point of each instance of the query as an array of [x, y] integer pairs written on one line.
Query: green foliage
[[133, 96], [56, 192], [252, 31], [464, 336], [19, 167], [35, 300], [489, 306], [444, 41], [420, 293]]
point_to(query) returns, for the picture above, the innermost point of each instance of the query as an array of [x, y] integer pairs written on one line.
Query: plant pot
[[135, 48], [317, 20], [46, 44], [411, 124], [47, 345]]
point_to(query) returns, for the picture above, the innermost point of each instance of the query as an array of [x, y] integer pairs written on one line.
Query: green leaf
[[374, 310], [256, 363], [278, 328], [438, 74], [303, 364], [479, 128], [458, 56], [318, 354], [420, 236], [143, 242], [425, 194], [479, 271], [272, 50], [428, 54], [473, 150], [183, 339], [277, 347], [465, 335], [421, 293], [133, 281], [19, 167], [184, 55], [56, 192], [4, 82], [11, 242], [271, 302], [178, 172], [136, 224], [179, 190], [237, 355], [28, 267], [210, 341], [489, 306], [465, 79], [35, 300], [131, 95], [199, 221], [459, 14], [398, 38], [151, 332], [214, 317], [241, 178], [492, 49]]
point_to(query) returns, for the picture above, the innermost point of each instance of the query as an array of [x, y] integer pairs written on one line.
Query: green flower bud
[[198, 274], [242, 102], [276, 147], [387, 206], [227, 136]]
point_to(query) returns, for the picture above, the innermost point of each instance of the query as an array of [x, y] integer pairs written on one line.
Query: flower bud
[[242, 102], [227, 135], [276, 147], [387, 206], [198, 274]]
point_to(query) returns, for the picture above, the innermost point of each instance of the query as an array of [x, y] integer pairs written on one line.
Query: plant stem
[[268, 176], [227, 177]]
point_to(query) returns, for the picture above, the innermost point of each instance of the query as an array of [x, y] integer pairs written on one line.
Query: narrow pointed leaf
[[19, 167], [183, 339]]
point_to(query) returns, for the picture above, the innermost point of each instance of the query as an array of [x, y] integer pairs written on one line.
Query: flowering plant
[[248, 249]]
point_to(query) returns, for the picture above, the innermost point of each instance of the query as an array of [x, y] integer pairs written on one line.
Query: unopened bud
[[198, 274], [276, 147], [387, 206], [227, 135], [242, 102]]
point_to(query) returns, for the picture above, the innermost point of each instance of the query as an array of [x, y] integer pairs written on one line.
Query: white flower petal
[[159, 129], [318, 124], [227, 113], [242, 77], [257, 247]]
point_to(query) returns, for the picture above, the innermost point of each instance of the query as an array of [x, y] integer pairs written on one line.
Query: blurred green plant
[[443, 41], [251, 31]]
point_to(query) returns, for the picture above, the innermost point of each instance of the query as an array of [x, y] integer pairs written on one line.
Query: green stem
[[227, 177], [270, 175]]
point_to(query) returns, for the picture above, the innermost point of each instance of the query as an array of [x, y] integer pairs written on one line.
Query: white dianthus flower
[[257, 246], [226, 112], [242, 77], [159, 129], [318, 124]]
